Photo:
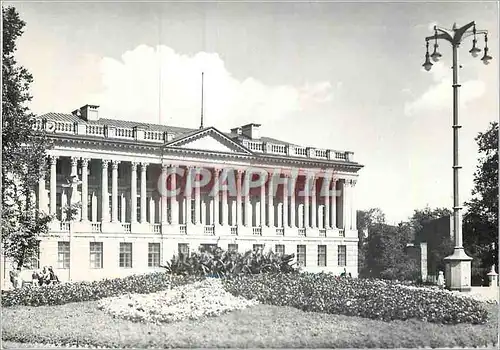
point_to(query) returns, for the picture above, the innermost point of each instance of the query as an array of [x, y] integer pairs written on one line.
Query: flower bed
[[86, 291], [368, 298], [206, 298]]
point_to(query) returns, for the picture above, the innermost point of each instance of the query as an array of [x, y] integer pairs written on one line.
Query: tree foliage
[[23, 151], [437, 235], [480, 224]]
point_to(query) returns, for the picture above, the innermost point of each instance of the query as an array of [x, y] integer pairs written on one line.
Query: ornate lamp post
[[458, 265]]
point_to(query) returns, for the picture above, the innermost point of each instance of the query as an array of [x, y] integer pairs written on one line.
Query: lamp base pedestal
[[458, 271]]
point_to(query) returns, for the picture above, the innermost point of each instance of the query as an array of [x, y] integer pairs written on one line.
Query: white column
[[224, 207], [270, 201], [248, 205], [345, 205], [327, 203], [314, 204], [42, 200], [197, 198], [216, 213], [104, 191], [85, 189], [292, 201], [163, 196], [114, 190], [133, 192], [353, 206], [306, 202], [94, 207], [189, 218], [174, 205], [263, 204], [53, 183], [334, 204], [285, 201], [151, 210], [239, 189], [123, 208], [143, 192]]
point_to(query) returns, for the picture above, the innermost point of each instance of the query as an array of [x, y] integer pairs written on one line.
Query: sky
[[344, 76]]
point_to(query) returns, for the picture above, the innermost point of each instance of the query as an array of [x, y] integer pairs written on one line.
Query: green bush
[[85, 291], [368, 298], [216, 262]]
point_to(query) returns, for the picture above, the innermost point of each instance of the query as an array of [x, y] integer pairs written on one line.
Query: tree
[[439, 242], [386, 255], [365, 220], [23, 152], [480, 223]]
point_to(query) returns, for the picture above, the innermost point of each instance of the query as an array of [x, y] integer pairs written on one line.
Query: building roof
[[175, 130]]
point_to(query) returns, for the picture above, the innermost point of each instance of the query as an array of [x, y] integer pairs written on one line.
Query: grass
[[257, 327]]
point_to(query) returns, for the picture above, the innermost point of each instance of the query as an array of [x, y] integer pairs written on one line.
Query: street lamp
[[458, 265]]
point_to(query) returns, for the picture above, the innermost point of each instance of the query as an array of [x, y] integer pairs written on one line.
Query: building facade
[[118, 175]]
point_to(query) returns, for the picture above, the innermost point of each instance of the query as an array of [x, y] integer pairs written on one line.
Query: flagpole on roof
[[201, 124]]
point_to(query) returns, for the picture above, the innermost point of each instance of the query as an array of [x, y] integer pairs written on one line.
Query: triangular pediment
[[209, 139]]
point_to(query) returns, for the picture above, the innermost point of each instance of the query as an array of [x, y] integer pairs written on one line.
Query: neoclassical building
[[116, 172]]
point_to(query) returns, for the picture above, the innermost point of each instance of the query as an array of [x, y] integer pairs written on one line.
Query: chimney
[[88, 113], [251, 131], [236, 131]]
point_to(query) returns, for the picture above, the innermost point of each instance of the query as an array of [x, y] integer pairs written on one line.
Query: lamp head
[[486, 58], [427, 64], [475, 50], [436, 55]]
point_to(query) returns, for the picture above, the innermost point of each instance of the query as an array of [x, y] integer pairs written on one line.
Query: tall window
[[232, 247], [322, 255], [59, 209], [96, 255], [125, 255], [280, 249], [301, 255], [138, 206], [32, 260], [257, 247], [193, 207], [153, 254], [119, 208], [183, 249], [342, 255], [63, 255]]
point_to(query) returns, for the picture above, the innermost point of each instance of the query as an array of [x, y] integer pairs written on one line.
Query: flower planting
[[201, 299], [217, 262], [86, 291], [369, 298]]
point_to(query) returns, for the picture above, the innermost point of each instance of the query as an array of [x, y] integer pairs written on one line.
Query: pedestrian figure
[[52, 276], [440, 280]]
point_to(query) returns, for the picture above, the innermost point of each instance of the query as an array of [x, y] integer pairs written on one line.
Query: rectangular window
[[153, 254], [342, 255], [279, 249], [125, 255], [232, 247], [119, 208], [32, 259], [193, 207], [63, 255], [183, 249], [301, 255], [138, 206], [257, 247], [322, 255], [96, 255]]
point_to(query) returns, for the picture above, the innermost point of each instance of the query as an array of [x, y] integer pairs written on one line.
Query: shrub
[[369, 298], [57, 294], [216, 262]]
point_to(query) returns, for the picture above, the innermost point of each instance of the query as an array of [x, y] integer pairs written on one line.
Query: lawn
[[258, 326]]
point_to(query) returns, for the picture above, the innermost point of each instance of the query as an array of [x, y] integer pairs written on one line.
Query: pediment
[[210, 140]]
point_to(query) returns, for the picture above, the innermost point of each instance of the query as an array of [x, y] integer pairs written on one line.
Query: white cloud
[[133, 88], [439, 96]]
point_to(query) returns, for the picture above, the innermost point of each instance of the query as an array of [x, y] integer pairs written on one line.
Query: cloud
[[148, 82], [439, 96]]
